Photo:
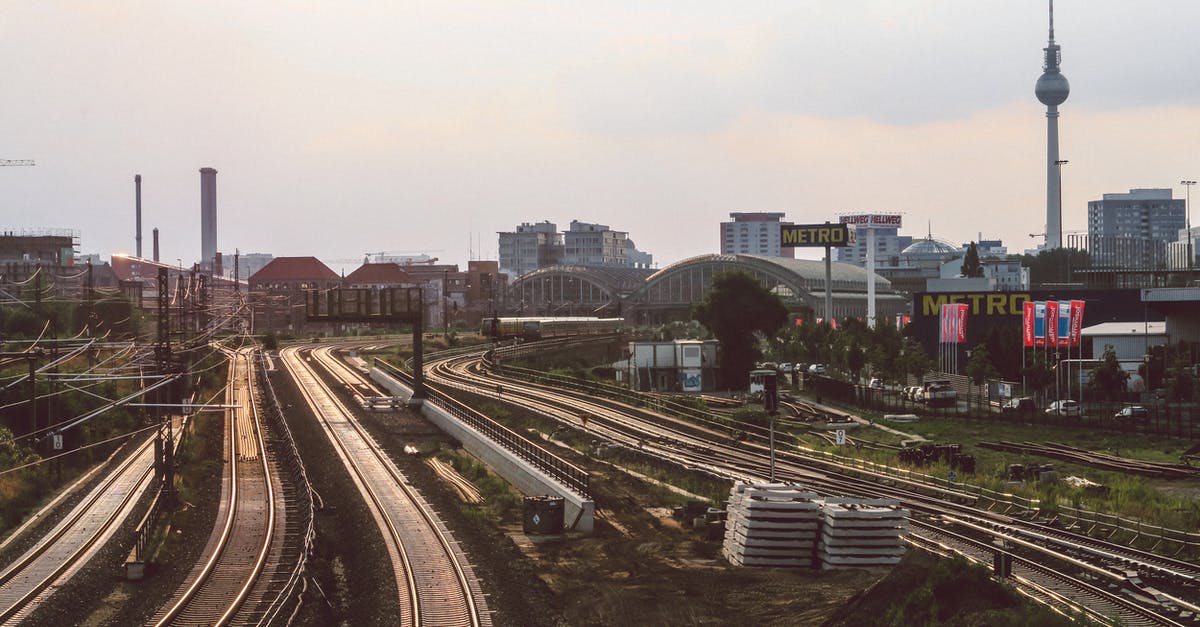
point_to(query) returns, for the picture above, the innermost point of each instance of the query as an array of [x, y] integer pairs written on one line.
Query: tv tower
[[1052, 90]]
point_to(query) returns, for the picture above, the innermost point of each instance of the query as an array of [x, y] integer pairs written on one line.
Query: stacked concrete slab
[[777, 524], [771, 525], [861, 533]]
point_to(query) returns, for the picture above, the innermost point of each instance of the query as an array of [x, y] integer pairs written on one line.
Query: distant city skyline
[[434, 126]]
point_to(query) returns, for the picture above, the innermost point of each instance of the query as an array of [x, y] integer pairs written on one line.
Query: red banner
[[960, 323], [1051, 323], [1077, 321], [1027, 323]]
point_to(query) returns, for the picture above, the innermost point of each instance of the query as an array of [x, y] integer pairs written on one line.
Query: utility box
[[543, 515]]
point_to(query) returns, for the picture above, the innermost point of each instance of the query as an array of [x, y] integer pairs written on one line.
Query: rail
[[571, 475], [289, 457]]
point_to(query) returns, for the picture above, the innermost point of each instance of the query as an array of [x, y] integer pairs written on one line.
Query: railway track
[[708, 449], [27, 582], [223, 588], [435, 583]]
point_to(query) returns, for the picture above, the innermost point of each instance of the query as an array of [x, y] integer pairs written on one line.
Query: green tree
[[971, 267], [856, 358], [979, 366], [1107, 377], [1037, 374], [735, 310], [1054, 266], [1181, 384]]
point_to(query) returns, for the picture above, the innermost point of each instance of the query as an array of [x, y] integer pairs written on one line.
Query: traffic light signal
[[770, 393]]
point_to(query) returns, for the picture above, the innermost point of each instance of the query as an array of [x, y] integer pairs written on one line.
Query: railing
[[1097, 524], [572, 476], [289, 457]]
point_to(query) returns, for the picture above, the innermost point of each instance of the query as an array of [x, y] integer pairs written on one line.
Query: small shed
[[676, 366]]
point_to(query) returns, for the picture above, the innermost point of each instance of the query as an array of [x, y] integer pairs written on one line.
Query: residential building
[[755, 233], [529, 247], [588, 244], [277, 292], [888, 246], [1132, 230]]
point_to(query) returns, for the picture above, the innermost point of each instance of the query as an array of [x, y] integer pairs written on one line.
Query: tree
[[979, 366], [970, 265], [1107, 377], [856, 358], [1037, 374], [1054, 266], [735, 309]]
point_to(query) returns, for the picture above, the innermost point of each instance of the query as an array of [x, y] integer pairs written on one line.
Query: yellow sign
[[808, 235], [982, 303]]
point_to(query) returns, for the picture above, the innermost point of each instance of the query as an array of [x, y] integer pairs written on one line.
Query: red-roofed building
[[277, 291], [379, 275]]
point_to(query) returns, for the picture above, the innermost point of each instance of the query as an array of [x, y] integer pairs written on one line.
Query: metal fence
[[569, 474]]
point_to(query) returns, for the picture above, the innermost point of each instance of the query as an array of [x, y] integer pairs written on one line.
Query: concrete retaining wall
[[578, 513]]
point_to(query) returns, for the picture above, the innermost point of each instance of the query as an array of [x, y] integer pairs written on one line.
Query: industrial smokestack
[[137, 191], [208, 216], [155, 235]]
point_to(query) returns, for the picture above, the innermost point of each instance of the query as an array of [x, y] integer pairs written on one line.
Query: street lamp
[[1187, 208]]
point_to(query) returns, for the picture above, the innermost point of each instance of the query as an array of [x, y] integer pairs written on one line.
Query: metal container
[[543, 514]]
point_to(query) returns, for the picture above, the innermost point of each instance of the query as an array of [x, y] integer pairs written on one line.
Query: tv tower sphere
[[1052, 88]]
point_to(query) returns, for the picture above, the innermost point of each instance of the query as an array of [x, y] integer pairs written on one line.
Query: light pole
[[1187, 208]]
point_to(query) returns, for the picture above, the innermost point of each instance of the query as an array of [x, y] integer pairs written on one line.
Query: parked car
[[876, 384], [1064, 408], [786, 368], [816, 369], [1021, 405], [1133, 413]]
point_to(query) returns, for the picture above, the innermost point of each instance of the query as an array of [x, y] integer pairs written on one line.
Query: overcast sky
[[340, 128]]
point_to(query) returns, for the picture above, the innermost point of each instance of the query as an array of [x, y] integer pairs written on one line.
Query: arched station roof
[[799, 283]]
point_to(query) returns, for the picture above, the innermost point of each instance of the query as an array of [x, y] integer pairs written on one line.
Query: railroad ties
[[784, 525]]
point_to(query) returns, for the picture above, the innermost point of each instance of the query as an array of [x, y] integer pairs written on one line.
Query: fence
[[572, 476]]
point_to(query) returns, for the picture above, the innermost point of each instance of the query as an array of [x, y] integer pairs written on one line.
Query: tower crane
[[4, 162]]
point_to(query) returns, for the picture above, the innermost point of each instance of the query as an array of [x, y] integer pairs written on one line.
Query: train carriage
[[547, 328]]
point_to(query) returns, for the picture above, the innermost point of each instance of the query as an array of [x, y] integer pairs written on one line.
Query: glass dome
[[930, 246]]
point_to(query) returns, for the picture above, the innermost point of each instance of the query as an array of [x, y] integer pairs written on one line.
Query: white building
[[1001, 274], [588, 244], [754, 234], [888, 246], [677, 366], [529, 247]]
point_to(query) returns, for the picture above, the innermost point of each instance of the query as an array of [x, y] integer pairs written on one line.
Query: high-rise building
[[1133, 229], [888, 246], [754, 234], [588, 244], [1052, 90], [529, 247]]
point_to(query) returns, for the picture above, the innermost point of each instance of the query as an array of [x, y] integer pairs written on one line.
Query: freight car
[[546, 328]]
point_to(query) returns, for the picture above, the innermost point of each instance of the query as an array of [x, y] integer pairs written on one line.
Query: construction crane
[[4, 162]]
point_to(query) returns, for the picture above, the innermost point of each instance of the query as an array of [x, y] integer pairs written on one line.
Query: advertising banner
[[1076, 321], [1039, 323], [1064, 323], [944, 324], [1051, 323], [960, 323], [1027, 323]]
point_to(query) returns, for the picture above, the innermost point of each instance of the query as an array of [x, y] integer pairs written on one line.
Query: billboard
[[872, 219], [815, 235]]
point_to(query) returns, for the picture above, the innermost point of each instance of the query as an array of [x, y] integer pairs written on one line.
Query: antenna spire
[[1051, 21]]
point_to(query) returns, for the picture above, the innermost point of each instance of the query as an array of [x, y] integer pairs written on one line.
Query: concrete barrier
[[578, 513]]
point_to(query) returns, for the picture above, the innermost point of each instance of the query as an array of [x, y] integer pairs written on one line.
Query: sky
[[345, 128]]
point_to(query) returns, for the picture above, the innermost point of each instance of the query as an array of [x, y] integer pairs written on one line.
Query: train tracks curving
[[1054, 557], [436, 585], [29, 581], [224, 587]]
